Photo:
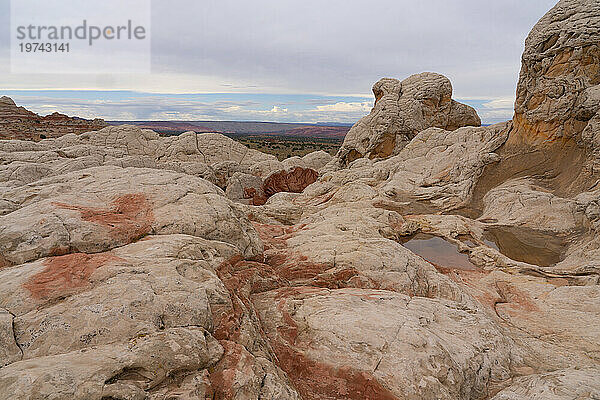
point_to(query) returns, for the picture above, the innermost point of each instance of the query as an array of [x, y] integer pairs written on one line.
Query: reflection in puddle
[[491, 244], [439, 252], [527, 246]]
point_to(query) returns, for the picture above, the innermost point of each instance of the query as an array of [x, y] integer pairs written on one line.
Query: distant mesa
[[166, 127], [322, 131], [19, 123], [333, 132]]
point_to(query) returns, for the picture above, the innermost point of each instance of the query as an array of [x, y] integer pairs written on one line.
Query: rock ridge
[[20, 123]]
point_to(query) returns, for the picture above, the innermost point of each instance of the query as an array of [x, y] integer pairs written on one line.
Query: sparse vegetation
[[287, 146]]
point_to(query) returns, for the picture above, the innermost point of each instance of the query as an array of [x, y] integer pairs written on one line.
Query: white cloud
[[500, 103], [277, 110], [496, 115], [341, 106], [497, 110], [178, 108]]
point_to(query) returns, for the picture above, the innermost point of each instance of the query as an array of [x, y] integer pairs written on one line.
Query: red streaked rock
[[66, 274]]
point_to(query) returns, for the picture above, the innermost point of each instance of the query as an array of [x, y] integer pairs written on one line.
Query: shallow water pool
[[439, 252]]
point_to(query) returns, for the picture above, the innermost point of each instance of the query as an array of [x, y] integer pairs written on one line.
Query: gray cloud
[[333, 47], [339, 46]]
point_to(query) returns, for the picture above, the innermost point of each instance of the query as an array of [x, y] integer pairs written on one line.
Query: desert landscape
[[279, 139], [19, 123], [429, 257]]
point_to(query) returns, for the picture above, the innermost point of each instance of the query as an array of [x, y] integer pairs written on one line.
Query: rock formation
[[403, 109], [19, 123], [558, 99], [139, 267], [8, 109], [558, 92]]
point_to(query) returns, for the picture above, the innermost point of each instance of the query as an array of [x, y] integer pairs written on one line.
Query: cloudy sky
[[293, 60]]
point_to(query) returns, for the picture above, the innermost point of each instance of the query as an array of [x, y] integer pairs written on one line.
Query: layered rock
[[558, 99], [8, 109], [571, 383], [403, 109], [558, 92], [19, 123]]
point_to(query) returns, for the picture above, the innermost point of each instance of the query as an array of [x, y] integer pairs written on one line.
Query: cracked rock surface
[[425, 261], [403, 109]]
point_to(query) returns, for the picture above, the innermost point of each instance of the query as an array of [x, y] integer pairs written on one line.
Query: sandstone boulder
[[111, 371], [377, 344], [294, 180], [317, 159], [403, 109], [246, 188]]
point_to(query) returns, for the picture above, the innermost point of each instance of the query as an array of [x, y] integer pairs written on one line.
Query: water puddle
[[469, 241], [525, 245], [439, 252], [516, 243], [491, 244]]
